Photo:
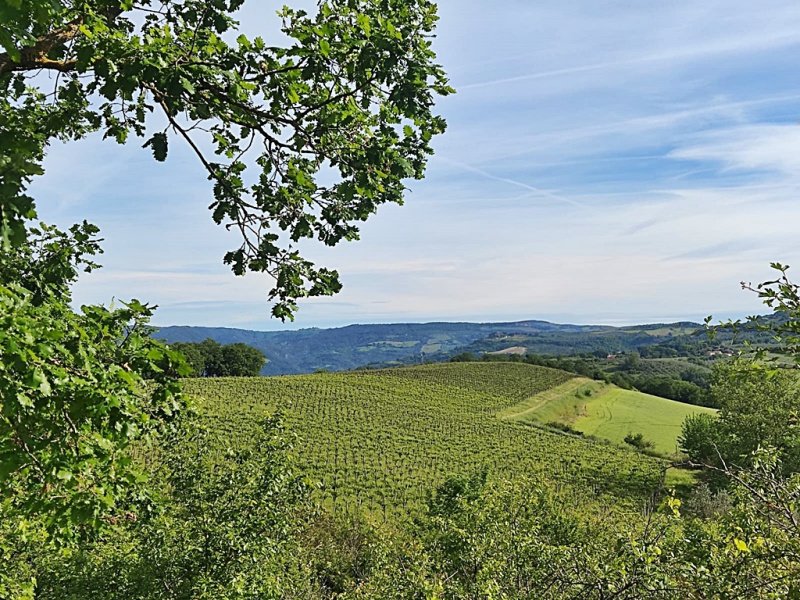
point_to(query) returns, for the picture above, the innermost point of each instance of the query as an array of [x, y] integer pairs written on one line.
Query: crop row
[[381, 441]]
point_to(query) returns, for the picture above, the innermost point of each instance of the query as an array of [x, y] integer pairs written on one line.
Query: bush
[[699, 438], [637, 441], [707, 503], [228, 526]]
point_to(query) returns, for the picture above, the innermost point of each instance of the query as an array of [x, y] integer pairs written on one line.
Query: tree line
[[212, 359]]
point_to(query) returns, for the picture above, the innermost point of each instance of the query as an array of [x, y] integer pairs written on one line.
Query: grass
[[681, 480], [608, 412], [615, 413], [563, 403]]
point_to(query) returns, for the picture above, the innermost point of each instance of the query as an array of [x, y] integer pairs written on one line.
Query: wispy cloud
[[736, 45], [613, 162], [753, 147]]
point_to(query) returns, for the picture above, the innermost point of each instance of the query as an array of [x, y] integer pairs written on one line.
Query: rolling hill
[[354, 346], [606, 411], [379, 441]]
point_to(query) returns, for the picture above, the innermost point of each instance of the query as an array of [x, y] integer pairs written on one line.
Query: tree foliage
[[76, 389], [226, 528], [758, 392], [212, 359], [308, 138]]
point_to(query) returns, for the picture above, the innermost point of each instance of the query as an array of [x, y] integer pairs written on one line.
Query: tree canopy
[[758, 392], [308, 138], [212, 359], [76, 389], [300, 140]]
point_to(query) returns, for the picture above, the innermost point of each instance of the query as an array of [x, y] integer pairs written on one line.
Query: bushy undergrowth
[[476, 538]]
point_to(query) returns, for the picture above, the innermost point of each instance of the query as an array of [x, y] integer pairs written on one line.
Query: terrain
[[386, 345], [378, 441], [354, 346], [603, 410]]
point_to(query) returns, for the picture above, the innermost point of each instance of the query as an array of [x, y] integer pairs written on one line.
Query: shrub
[[637, 441]]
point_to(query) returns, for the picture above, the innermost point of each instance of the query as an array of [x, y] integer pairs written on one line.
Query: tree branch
[[36, 57]]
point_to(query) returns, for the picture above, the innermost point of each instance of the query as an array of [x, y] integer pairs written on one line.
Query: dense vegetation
[[211, 359], [380, 441], [759, 408], [350, 93], [76, 389], [510, 510]]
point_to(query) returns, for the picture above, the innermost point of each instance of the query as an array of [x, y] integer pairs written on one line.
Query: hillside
[[380, 440], [345, 348], [607, 412]]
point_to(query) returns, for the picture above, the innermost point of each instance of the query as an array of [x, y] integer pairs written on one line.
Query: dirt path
[[530, 405]]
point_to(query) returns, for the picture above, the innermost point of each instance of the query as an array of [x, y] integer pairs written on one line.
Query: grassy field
[[380, 441], [617, 412], [607, 412]]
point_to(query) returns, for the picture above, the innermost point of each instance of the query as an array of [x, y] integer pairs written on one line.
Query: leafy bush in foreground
[[226, 528]]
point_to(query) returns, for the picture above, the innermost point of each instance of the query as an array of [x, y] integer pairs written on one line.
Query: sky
[[611, 162]]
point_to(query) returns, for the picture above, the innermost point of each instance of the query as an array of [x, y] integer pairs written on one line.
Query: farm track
[[606, 412]]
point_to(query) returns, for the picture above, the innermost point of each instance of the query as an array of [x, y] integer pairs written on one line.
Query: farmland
[[378, 442], [607, 412]]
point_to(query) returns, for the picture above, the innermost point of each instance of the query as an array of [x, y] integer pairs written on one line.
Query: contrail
[[545, 74], [737, 45], [644, 123], [535, 190]]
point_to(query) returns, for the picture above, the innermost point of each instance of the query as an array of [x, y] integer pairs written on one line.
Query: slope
[[343, 348], [379, 442], [607, 412]]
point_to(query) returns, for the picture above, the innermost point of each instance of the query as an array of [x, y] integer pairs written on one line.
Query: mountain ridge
[[386, 344]]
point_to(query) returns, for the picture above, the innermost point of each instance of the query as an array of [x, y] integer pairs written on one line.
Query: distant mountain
[[344, 348]]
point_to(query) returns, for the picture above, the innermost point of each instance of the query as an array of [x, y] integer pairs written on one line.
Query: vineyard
[[509, 383], [379, 441]]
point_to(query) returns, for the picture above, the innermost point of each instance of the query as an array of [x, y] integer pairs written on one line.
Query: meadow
[[608, 412], [378, 442]]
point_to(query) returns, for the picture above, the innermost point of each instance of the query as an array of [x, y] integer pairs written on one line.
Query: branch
[[36, 57]]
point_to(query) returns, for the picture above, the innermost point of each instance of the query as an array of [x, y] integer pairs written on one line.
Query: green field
[[607, 412], [380, 441]]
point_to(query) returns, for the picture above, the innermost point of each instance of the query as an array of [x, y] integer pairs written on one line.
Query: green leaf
[[64, 475], [187, 85], [158, 142], [38, 381], [364, 24]]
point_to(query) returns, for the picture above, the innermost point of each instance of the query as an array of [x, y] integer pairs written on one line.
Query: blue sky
[[614, 162]]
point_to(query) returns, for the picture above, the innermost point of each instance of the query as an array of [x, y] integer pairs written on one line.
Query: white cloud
[[763, 147], [609, 161]]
